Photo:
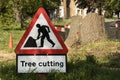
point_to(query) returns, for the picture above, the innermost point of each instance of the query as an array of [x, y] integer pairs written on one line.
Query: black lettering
[[22, 62], [48, 63], [29, 64], [57, 64], [51, 64], [61, 64], [44, 64], [34, 64], [40, 64]]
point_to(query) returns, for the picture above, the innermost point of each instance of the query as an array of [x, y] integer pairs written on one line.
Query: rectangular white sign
[[40, 63]]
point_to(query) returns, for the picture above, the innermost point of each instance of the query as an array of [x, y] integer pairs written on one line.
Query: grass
[[4, 39], [81, 65], [111, 19], [94, 61], [77, 69], [8, 72]]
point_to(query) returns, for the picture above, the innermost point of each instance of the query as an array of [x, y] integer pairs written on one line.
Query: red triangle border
[[18, 49]]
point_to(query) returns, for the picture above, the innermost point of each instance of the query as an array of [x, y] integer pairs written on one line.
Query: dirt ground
[[5, 56]]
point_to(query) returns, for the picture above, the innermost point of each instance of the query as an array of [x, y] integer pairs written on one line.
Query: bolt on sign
[[41, 48]]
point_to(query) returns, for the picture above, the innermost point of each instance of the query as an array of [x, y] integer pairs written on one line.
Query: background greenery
[[94, 61]]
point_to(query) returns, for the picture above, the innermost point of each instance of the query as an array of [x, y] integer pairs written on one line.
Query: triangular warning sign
[[41, 37]]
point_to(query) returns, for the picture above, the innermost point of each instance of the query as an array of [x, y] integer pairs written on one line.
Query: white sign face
[[46, 39], [40, 63]]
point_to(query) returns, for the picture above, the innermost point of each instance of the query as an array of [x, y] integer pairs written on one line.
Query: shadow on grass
[[114, 60], [88, 69], [8, 72]]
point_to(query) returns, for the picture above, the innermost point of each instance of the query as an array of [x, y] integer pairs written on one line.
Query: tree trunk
[[22, 19], [100, 11], [17, 14], [65, 8], [118, 15]]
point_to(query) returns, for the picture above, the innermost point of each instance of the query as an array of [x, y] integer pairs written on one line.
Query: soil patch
[[5, 56]]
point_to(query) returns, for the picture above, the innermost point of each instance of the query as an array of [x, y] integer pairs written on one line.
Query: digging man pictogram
[[44, 30]]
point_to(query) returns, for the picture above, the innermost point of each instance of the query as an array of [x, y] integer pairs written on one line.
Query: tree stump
[[74, 33], [92, 28], [86, 30]]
